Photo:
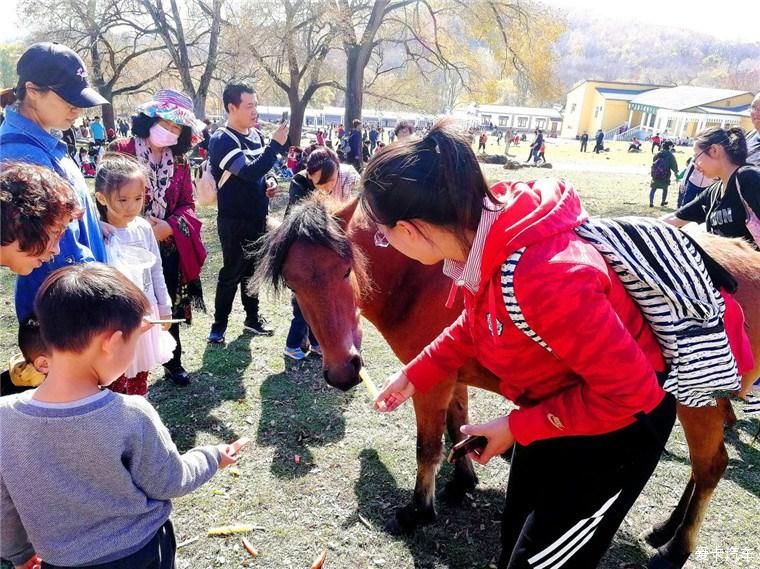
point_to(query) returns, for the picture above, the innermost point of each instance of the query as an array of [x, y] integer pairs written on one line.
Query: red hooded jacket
[[600, 371]]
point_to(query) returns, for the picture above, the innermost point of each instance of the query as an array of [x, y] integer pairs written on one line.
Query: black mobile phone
[[467, 445]]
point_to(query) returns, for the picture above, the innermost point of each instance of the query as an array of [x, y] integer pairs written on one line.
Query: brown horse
[[337, 273]]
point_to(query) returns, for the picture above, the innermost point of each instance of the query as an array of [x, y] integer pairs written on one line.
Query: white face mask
[[162, 138]]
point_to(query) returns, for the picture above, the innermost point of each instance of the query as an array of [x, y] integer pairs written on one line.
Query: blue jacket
[[97, 130], [355, 142], [82, 241]]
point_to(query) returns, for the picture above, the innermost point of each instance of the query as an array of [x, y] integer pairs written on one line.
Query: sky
[[741, 21]]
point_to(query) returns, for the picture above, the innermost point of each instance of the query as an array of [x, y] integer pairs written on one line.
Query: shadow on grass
[[189, 410], [299, 411], [745, 470], [464, 537], [457, 536]]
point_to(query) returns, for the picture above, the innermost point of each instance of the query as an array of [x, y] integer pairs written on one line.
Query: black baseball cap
[[61, 70]]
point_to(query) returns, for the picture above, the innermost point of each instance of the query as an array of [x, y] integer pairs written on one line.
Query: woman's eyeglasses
[[697, 156]]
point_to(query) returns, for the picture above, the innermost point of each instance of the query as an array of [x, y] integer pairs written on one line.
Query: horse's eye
[[348, 273]]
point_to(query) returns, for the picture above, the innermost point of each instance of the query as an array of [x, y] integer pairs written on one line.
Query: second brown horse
[[328, 258]]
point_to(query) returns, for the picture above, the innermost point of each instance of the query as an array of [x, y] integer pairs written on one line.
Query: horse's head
[[310, 254]]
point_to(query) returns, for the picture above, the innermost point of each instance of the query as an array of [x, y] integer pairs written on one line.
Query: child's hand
[[165, 327], [229, 452], [34, 563]]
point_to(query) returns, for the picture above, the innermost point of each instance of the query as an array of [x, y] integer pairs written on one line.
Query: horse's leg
[[703, 428], [662, 533], [430, 411], [464, 479]]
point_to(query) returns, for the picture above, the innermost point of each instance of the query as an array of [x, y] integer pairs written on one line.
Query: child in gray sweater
[[87, 474]]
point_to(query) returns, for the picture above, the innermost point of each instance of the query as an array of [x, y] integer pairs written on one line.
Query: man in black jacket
[[239, 163], [599, 146]]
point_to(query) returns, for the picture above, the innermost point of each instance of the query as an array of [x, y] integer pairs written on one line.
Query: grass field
[[320, 459]]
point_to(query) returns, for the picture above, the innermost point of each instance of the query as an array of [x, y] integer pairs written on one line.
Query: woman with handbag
[[163, 132], [731, 206]]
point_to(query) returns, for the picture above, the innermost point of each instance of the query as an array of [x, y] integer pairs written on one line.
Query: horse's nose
[[346, 375]]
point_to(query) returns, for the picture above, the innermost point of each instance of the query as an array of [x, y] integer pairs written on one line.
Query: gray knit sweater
[[89, 482]]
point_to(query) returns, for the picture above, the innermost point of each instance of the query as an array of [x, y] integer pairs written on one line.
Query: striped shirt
[[467, 274], [248, 159]]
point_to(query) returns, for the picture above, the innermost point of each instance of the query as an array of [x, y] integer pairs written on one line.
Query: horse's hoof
[[455, 490], [655, 537], [667, 561], [408, 519]]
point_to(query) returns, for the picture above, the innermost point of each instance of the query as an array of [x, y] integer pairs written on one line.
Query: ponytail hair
[[436, 179], [17, 94], [7, 97], [732, 140]]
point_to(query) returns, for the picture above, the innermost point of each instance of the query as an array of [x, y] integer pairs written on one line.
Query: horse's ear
[[345, 213]]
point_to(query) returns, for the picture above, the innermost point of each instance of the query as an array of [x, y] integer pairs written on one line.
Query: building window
[[572, 108], [596, 111], [669, 124], [504, 121], [540, 123], [485, 119], [522, 122]]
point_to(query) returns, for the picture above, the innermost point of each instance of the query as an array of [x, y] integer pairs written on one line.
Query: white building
[[519, 119]]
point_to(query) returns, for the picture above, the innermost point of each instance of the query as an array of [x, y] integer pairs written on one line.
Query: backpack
[[661, 167], [685, 315], [206, 187], [752, 221]]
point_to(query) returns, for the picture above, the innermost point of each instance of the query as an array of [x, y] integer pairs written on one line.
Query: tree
[[9, 54], [96, 30], [293, 50], [190, 33], [440, 37]]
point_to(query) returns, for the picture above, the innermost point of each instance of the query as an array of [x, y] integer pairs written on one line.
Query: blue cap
[[61, 70]]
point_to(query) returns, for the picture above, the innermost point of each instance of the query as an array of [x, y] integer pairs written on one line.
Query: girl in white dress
[[132, 248]]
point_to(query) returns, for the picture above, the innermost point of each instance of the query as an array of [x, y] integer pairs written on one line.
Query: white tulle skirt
[[154, 348]]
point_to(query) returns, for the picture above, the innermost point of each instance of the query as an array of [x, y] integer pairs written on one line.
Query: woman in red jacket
[[545, 314]]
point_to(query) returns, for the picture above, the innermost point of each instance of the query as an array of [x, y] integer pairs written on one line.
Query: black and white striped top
[[666, 276]]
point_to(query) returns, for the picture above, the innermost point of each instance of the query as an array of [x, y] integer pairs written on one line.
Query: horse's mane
[[312, 221]]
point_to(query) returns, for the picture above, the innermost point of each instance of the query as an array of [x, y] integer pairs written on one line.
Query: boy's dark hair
[[403, 125], [733, 141], [356, 123], [325, 161], [233, 92], [114, 170], [78, 302], [33, 200], [30, 340], [436, 179], [141, 128]]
